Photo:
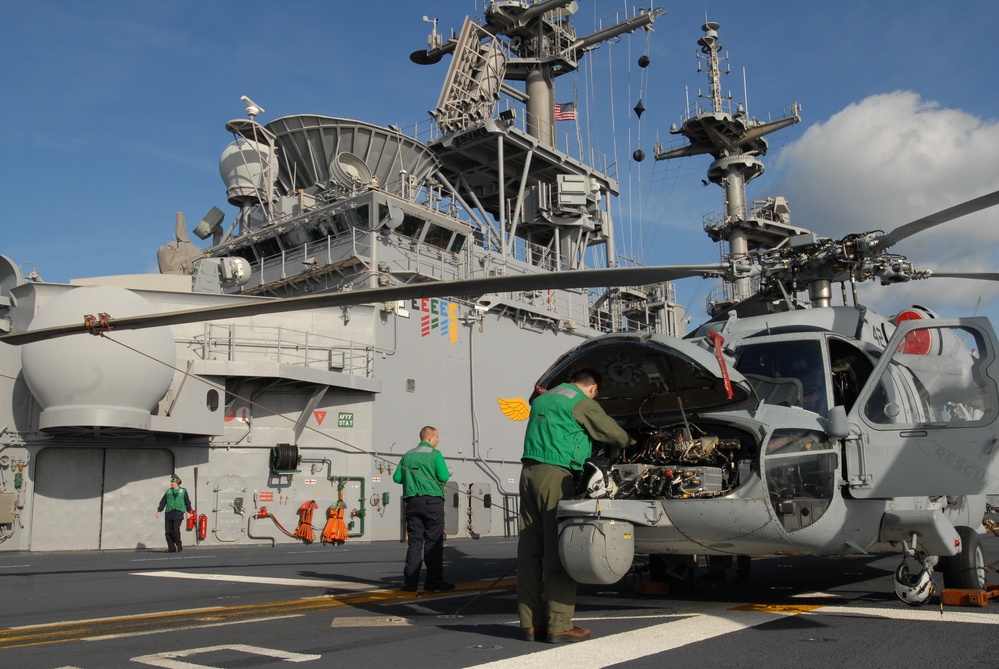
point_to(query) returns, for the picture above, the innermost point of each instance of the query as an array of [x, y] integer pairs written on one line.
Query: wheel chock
[[652, 588], [961, 597]]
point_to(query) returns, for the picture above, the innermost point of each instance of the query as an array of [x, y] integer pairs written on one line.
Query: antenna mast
[[735, 141]]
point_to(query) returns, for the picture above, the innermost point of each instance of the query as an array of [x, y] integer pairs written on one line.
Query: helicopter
[[827, 430]]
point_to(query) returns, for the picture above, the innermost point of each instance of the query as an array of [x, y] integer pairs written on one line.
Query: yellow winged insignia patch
[[515, 409]]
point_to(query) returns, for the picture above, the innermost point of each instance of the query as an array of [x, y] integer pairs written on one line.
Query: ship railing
[[536, 255], [515, 115], [716, 221], [736, 110], [252, 343], [570, 141], [421, 258], [352, 243], [415, 257], [418, 258]]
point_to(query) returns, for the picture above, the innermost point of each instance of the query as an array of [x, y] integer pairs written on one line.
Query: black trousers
[[171, 524], [425, 528]]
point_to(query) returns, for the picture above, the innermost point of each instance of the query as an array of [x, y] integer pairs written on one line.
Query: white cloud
[[893, 158]]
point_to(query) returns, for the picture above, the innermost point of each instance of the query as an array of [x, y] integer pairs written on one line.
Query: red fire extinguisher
[[202, 526], [192, 518]]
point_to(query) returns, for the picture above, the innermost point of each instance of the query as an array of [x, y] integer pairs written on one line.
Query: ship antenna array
[[710, 50]]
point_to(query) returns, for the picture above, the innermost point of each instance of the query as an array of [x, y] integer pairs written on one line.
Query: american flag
[[565, 111]]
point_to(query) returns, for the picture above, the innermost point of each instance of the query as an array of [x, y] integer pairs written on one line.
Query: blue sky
[[115, 111]]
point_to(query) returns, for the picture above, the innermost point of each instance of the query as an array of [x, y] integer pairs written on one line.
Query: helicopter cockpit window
[[786, 373], [800, 472], [934, 378]]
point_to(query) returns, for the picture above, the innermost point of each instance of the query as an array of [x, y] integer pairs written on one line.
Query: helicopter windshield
[[786, 373]]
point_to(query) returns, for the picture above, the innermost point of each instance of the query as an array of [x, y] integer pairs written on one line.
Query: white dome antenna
[[252, 108]]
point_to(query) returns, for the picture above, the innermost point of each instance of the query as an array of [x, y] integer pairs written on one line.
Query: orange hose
[[335, 531], [304, 530]]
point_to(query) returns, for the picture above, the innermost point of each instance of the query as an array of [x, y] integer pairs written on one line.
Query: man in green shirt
[[423, 473], [563, 424]]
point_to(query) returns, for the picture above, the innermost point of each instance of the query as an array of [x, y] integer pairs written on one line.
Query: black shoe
[[179, 548], [443, 586], [409, 588], [171, 550]]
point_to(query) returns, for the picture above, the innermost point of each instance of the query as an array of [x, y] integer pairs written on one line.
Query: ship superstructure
[[268, 417]]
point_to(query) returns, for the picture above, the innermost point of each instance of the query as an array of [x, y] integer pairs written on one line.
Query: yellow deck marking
[[34, 635], [777, 608], [371, 621]]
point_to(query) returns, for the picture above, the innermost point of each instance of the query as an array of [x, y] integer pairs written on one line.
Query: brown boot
[[574, 634]]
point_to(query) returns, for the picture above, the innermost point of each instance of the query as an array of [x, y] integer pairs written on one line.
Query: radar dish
[[348, 170], [308, 145]]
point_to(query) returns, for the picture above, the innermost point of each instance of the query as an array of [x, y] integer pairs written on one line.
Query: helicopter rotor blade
[[618, 276], [982, 276], [957, 211]]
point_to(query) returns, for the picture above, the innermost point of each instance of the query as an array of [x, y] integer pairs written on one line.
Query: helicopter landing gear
[[914, 587], [966, 570], [677, 572]]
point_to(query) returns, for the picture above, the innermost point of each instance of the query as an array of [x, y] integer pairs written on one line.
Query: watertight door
[[926, 422], [97, 498]]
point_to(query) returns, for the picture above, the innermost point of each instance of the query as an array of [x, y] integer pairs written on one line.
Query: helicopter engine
[[667, 463]]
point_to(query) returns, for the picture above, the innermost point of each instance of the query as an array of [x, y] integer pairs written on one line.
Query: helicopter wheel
[[679, 572], [966, 570]]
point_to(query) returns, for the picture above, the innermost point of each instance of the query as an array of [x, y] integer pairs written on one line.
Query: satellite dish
[[349, 171]]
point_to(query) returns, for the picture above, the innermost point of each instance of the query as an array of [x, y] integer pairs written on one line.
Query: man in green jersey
[[563, 424], [423, 473]]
